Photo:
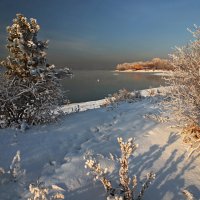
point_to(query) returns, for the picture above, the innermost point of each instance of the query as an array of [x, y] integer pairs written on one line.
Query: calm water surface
[[91, 85]]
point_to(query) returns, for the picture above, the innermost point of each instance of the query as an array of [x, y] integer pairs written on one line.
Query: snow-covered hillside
[[56, 152]]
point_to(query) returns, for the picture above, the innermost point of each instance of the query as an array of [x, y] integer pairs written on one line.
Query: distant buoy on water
[[98, 80]]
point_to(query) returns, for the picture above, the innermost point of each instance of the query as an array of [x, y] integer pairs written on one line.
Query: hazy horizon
[[99, 34]]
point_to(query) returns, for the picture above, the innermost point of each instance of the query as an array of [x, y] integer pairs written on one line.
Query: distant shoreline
[[156, 72], [142, 70]]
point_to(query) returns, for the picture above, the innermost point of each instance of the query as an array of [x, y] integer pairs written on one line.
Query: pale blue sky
[[101, 33]]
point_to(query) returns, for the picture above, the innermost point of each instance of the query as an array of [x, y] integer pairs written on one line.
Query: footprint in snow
[[148, 134], [105, 137], [94, 129]]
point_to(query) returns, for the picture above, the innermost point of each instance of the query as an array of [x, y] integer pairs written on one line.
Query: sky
[[99, 34]]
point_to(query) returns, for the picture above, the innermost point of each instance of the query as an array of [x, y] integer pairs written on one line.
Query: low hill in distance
[[154, 64]]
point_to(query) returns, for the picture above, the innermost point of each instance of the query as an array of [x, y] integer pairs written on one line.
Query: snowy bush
[[183, 97], [184, 93], [15, 173], [122, 95], [127, 189], [29, 89], [39, 191], [191, 136]]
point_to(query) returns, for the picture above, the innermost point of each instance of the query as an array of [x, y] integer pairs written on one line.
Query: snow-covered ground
[[55, 152]]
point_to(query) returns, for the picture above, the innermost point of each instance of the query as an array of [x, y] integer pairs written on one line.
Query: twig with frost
[[99, 173], [2, 171], [124, 191], [15, 167], [127, 149], [145, 186], [191, 136], [187, 195], [39, 191], [15, 173]]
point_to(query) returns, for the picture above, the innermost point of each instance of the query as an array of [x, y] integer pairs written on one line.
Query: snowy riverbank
[[55, 152], [155, 72]]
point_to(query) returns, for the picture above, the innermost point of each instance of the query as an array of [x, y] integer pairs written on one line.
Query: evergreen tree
[[30, 89]]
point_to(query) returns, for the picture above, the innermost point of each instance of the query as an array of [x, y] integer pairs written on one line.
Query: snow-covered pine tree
[[29, 90]]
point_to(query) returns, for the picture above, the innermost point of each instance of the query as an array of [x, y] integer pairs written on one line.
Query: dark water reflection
[[96, 84]]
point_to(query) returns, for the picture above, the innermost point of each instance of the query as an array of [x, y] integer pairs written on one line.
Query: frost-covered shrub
[[122, 95], [183, 96], [39, 191], [12, 179], [127, 189], [29, 89], [24, 101], [15, 173], [15, 168], [184, 81], [191, 136]]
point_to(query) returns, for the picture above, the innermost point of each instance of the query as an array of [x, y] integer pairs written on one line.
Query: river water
[[89, 85]]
